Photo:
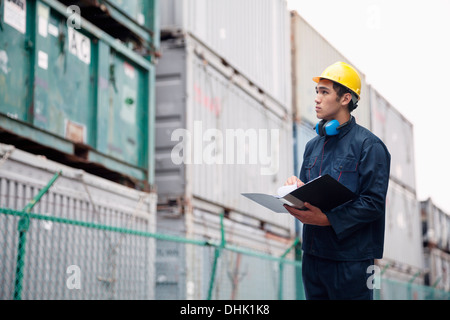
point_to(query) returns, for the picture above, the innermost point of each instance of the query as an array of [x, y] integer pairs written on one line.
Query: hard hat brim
[[317, 80]]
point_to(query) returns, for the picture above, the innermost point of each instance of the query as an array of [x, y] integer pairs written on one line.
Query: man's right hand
[[294, 180]]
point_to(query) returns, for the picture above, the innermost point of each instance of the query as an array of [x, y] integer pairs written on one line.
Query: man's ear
[[346, 98]]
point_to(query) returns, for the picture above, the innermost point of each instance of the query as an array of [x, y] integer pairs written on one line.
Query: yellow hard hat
[[344, 74]]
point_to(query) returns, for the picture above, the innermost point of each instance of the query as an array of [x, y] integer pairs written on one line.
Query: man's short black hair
[[340, 91]]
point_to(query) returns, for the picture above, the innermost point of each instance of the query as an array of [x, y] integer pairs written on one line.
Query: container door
[[63, 78], [122, 109], [15, 57]]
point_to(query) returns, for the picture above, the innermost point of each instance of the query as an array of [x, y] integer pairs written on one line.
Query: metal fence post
[[23, 226], [217, 252], [281, 268]]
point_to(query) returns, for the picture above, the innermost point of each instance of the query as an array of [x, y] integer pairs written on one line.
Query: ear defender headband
[[329, 127]]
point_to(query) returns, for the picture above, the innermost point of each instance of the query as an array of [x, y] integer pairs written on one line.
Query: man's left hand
[[313, 215]]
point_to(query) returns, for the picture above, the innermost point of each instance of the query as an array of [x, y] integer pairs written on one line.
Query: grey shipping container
[[78, 92], [217, 136], [397, 133], [250, 35], [311, 54], [403, 249], [436, 222], [184, 271], [439, 269], [112, 265]]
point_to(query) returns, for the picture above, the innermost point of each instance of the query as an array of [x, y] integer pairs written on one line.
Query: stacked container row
[[436, 242], [77, 86], [112, 265], [403, 252], [436, 226], [252, 36], [223, 127], [75, 90]]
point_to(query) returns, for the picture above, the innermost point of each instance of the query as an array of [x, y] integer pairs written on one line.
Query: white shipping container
[[250, 35], [440, 269], [398, 135], [113, 265], [311, 54], [237, 141], [186, 272], [403, 230], [437, 223]]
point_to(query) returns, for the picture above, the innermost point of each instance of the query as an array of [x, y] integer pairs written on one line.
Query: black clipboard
[[324, 192]]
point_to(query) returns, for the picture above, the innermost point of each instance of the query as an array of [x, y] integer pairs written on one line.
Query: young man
[[339, 246]]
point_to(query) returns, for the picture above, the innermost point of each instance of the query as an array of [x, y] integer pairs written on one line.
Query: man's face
[[328, 106]]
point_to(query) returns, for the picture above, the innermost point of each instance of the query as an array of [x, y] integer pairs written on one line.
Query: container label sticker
[[75, 132], [43, 27], [43, 60], [53, 30], [15, 14], [79, 45], [43, 13]]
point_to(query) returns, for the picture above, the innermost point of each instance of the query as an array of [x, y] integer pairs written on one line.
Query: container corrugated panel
[[403, 228], [253, 147], [303, 133], [440, 269], [180, 265], [311, 54], [74, 86], [437, 231], [113, 265], [398, 134], [251, 35]]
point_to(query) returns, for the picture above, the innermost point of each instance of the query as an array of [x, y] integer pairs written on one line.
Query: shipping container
[[397, 133], [133, 22], [113, 265], [252, 36], [403, 249], [216, 136], [303, 133], [436, 226], [311, 54], [184, 271], [439, 268], [75, 91]]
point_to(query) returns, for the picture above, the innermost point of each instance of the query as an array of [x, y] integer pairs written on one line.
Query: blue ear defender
[[329, 127]]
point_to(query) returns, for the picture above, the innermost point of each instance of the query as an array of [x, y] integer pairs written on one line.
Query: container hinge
[[29, 45]]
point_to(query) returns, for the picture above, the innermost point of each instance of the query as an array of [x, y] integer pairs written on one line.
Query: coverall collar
[[347, 128]]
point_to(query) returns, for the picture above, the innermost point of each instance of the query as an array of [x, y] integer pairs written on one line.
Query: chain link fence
[[95, 254]]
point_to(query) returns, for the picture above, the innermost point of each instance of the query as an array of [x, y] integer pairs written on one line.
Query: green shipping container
[[134, 22], [65, 87], [143, 12]]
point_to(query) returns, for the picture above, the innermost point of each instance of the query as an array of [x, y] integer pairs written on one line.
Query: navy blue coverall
[[336, 257]]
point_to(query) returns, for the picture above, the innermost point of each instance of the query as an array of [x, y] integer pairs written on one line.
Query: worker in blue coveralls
[[339, 246]]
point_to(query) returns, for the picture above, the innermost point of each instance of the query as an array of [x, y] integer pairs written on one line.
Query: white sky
[[403, 48]]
